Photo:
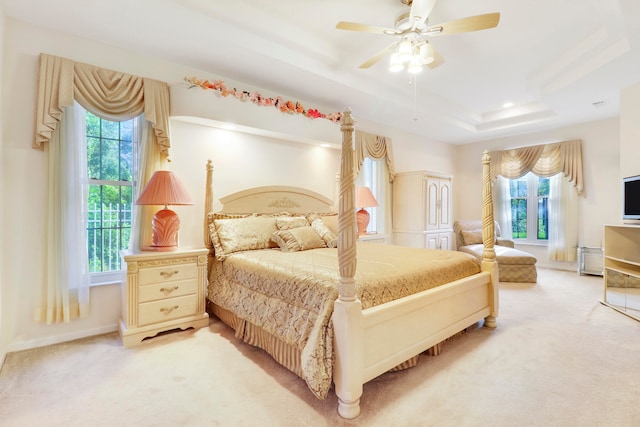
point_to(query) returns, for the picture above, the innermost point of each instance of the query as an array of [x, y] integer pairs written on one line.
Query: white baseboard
[[56, 339], [567, 266]]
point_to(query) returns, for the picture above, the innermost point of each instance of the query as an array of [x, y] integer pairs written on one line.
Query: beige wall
[[4, 336], [630, 131], [275, 159], [601, 162], [240, 161]]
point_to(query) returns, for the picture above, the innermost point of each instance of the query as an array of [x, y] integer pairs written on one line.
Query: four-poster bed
[[340, 316]]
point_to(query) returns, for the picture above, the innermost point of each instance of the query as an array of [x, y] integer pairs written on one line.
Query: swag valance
[[543, 160], [373, 146], [108, 94]]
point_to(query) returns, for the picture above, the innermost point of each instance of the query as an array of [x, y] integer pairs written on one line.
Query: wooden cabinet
[[622, 268], [162, 291], [422, 203]]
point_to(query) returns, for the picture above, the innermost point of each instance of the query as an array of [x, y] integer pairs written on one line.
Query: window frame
[[114, 276], [369, 175], [532, 200]]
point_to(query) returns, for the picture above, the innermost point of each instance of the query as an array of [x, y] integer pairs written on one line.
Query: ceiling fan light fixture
[[405, 52], [395, 64], [426, 54], [415, 66]]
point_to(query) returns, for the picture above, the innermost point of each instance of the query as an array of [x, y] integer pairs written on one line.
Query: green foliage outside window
[[543, 208], [518, 191], [519, 194], [110, 167]]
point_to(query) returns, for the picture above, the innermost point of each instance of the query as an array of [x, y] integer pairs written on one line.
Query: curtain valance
[[543, 160], [375, 147], [108, 94]]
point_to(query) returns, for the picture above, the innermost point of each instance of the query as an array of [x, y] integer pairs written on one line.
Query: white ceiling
[[552, 58]]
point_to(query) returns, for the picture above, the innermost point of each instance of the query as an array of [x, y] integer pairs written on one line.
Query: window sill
[[527, 243], [106, 278], [105, 283]]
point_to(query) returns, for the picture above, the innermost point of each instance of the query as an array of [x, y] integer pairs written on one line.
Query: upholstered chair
[[514, 265]]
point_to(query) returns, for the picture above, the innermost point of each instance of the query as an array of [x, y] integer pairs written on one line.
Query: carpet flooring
[[557, 358]]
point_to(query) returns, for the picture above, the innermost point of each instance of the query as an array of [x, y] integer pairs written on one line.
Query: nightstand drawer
[[167, 290], [163, 291], [167, 273], [167, 309]]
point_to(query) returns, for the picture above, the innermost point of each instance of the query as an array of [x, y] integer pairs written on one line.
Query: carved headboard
[[268, 199], [272, 199]]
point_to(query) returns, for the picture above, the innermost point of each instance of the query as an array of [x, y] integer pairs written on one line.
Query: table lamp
[[364, 199], [164, 188]]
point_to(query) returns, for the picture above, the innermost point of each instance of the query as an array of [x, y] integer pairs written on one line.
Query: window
[[529, 208], [111, 148], [370, 175]]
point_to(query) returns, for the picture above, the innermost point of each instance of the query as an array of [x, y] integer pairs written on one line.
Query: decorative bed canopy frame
[[370, 342]]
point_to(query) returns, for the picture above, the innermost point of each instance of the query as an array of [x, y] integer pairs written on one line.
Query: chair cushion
[[514, 265], [504, 255]]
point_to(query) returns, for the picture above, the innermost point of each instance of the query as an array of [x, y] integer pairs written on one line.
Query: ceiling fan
[[412, 31]]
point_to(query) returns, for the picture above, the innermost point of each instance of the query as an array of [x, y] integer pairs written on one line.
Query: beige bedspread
[[291, 294]]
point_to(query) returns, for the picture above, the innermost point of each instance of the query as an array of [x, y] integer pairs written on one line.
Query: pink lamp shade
[[364, 199], [164, 188]]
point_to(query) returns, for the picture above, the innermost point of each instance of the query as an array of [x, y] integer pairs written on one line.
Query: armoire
[[422, 212]]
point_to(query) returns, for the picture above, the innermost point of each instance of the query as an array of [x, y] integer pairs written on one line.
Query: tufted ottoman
[[514, 265]]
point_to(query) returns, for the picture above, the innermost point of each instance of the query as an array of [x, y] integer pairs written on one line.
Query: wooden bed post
[[488, 239], [208, 208], [347, 315]]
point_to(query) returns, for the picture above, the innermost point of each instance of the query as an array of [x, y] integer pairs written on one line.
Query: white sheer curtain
[[113, 96], [563, 219], [380, 150], [502, 206], [549, 160], [67, 289], [148, 160], [379, 183]]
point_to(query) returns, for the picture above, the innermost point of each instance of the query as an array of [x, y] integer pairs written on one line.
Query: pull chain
[[413, 81]]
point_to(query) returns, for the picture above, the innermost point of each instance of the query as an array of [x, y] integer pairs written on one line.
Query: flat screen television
[[631, 197]]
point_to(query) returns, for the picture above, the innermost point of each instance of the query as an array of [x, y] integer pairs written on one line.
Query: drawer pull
[[168, 274], [168, 310], [167, 291]]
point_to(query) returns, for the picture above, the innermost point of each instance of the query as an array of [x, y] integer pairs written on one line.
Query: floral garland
[[291, 107]]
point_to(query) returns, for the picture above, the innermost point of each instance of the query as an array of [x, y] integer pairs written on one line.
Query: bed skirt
[[283, 353]]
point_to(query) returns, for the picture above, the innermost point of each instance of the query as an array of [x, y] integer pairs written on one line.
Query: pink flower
[[290, 107]]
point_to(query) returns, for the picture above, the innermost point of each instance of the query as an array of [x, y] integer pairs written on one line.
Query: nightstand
[[373, 238], [162, 291]]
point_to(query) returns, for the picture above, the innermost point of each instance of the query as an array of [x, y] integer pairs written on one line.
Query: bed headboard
[[263, 200], [272, 199]]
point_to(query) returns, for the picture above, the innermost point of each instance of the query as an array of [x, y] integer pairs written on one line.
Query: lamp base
[[362, 219], [165, 226], [159, 248]]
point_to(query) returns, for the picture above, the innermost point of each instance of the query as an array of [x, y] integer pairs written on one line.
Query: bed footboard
[[406, 327], [370, 342]]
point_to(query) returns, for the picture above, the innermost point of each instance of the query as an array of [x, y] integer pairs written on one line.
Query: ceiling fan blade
[[421, 9], [466, 25], [378, 56], [354, 26]]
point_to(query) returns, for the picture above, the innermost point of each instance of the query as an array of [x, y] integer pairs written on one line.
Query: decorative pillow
[[472, 237], [331, 221], [242, 234], [327, 235], [287, 223], [298, 239], [211, 216]]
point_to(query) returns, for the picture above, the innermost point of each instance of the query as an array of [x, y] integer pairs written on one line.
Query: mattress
[[290, 295]]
